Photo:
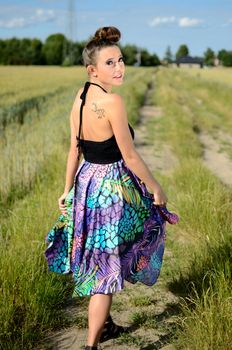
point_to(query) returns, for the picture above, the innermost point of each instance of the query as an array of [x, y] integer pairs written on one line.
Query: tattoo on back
[[99, 111]]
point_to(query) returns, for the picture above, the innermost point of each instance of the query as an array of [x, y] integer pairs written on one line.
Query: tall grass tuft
[[30, 297], [207, 321]]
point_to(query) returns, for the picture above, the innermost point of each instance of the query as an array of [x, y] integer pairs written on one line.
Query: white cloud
[[182, 22], [161, 20], [189, 22], [227, 23], [39, 15]]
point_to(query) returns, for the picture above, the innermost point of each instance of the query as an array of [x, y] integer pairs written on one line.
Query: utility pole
[[138, 58], [70, 33]]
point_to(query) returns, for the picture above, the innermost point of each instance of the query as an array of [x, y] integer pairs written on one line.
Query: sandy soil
[[215, 159]]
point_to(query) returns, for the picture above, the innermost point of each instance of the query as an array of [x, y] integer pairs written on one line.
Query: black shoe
[[87, 347], [111, 330]]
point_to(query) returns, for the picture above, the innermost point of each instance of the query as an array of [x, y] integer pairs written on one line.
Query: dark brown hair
[[104, 37]]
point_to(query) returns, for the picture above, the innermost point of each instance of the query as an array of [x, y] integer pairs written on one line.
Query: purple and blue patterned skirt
[[112, 232]]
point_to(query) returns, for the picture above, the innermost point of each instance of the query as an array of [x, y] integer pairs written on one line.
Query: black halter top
[[100, 152]]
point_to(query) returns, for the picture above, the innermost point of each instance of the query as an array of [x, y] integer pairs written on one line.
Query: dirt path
[[215, 158], [157, 156], [150, 311]]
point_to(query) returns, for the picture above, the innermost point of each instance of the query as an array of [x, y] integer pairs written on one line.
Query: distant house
[[188, 61]]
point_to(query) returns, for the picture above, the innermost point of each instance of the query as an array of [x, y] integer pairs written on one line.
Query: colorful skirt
[[113, 231]]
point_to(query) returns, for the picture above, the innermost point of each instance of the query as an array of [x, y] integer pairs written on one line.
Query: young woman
[[118, 211]]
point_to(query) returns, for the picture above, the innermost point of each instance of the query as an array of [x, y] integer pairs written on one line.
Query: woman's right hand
[[61, 203]]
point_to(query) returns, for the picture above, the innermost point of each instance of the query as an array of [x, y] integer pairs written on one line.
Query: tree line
[[224, 57], [58, 50]]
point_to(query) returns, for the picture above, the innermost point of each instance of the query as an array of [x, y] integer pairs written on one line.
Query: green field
[[215, 75], [35, 103]]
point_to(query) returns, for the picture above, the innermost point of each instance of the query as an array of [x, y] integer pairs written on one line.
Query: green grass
[[207, 322], [143, 319], [141, 300], [20, 83], [29, 146], [130, 340], [221, 75], [201, 242], [30, 297]]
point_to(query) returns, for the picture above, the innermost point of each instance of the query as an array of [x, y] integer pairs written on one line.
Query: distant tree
[[25, 52], [77, 52], [221, 55], [182, 51], [209, 57], [145, 58], [129, 53], [12, 51], [2, 51], [54, 49], [168, 56], [68, 53], [154, 59], [36, 52], [57, 50], [74, 53], [149, 60], [20, 51], [225, 58]]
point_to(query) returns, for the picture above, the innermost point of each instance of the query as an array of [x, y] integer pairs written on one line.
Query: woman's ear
[[91, 70]]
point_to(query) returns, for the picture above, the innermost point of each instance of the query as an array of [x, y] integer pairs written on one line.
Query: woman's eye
[[109, 62], [121, 59]]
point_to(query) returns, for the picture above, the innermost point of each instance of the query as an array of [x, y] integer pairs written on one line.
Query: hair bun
[[110, 34]]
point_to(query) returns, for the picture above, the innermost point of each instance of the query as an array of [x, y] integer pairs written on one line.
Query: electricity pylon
[[70, 33]]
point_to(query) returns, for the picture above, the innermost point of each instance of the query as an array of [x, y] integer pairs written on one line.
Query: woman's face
[[110, 68]]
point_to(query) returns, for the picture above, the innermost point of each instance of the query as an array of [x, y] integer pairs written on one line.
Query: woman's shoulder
[[114, 97], [114, 100], [116, 108]]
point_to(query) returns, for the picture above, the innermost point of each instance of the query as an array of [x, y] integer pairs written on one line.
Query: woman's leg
[[99, 309]]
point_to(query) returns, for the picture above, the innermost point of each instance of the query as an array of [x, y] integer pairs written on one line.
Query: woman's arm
[[119, 122], [72, 160]]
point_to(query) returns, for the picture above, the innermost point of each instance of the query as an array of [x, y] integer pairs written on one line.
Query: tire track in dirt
[[158, 157], [216, 150], [215, 159], [149, 311]]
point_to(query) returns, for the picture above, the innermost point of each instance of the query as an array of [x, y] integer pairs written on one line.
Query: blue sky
[[149, 24]]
